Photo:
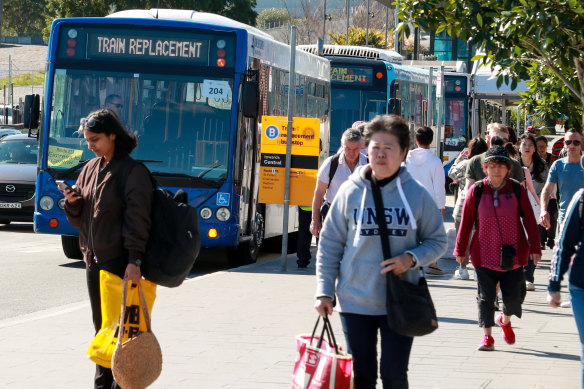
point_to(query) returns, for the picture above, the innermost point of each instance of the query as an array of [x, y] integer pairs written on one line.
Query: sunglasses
[[575, 142]]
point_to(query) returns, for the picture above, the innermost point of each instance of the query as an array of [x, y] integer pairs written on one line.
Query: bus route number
[[215, 89]]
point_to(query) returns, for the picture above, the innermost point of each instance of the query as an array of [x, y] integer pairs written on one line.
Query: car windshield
[[182, 121], [18, 151]]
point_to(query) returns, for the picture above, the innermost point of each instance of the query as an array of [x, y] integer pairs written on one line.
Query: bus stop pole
[[291, 105]]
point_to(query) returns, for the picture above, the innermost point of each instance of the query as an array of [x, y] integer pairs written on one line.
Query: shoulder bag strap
[[379, 211]]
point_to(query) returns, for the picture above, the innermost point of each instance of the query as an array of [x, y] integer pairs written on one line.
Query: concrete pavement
[[236, 329]]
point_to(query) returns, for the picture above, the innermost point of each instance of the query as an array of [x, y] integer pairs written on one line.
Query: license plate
[[10, 205]]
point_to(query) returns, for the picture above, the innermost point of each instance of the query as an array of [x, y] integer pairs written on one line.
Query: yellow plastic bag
[[102, 347]]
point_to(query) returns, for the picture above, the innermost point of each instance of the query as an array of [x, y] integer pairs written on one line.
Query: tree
[[240, 10], [521, 36], [272, 17], [21, 17], [357, 38]]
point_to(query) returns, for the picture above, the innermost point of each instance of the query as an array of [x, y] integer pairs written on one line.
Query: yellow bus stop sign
[[305, 152]]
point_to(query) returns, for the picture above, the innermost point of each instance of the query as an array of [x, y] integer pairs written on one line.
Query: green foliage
[[357, 37], [272, 16], [518, 35], [21, 18], [240, 10], [24, 79]]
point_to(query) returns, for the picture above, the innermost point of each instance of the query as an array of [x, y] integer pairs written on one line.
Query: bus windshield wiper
[[63, 174], [210, 169], [197, 180]]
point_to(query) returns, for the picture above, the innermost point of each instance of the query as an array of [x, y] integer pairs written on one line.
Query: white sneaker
[[461, 274], [566, 304], [529, 286]]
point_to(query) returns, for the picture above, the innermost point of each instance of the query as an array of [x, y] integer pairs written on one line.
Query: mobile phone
[[63, 185]]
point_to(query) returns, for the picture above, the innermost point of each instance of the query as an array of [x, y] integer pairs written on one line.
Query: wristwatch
[[137, 262]]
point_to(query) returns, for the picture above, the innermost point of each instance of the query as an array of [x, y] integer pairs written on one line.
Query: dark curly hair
[[105, 121]]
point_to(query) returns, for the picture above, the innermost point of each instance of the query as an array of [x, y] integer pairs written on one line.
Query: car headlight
[[223, 214], [206, 213], [46, 203], [61, 203]]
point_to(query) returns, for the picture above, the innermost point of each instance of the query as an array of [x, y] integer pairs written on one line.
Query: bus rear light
[[212, 233], [70, 52], [221, 62], [71, 42], [221, 44], [379, 75], [221, 53], [53, 223]]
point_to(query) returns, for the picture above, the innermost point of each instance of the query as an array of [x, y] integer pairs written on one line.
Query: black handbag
[[410, 309]]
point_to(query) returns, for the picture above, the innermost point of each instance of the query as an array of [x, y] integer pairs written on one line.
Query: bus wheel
[[71, 247], [247, 252]]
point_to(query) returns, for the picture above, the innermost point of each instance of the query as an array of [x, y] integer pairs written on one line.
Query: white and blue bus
[[194, 87], [366, 82]]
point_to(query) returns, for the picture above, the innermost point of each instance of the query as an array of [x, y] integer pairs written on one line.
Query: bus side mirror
[[31, 113], [394, 107], [251, 98]]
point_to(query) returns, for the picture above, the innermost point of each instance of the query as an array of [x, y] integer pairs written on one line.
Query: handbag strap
[[143, 306], [326, 327], [381, 222]]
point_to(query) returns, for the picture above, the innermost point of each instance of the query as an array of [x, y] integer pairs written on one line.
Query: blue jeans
[[361, 335], [577, 297]]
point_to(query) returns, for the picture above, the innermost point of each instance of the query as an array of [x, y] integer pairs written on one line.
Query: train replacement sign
[[305, 152]]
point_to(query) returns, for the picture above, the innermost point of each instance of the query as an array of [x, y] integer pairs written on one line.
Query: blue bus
[[457, 118], [194, 87], [366, 82]]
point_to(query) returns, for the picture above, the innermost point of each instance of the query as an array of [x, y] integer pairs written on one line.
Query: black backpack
[[175, 237], [479, 192]]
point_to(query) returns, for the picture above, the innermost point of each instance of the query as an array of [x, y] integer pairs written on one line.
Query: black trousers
[[512, 288], [549, 236], [304, 238], [103, 376]]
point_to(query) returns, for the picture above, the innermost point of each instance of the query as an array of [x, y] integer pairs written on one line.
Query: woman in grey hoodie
[[350, 261]]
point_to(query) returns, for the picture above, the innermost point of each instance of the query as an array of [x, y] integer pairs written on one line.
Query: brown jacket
[[112, 231]]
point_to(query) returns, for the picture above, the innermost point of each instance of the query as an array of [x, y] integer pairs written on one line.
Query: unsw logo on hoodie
[[394, 215]]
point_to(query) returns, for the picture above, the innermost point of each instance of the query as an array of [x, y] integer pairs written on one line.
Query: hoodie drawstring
[[406, 204], [360, 219]]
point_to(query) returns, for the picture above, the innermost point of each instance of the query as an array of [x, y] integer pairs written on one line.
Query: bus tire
[[71, 247], [247, 252]]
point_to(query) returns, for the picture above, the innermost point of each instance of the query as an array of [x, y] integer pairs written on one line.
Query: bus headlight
[[61, 203], [223, 214], [46, 203], [206, 213]]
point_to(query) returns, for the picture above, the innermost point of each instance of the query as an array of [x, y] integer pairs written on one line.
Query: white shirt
[[341, 175], [427, 169]]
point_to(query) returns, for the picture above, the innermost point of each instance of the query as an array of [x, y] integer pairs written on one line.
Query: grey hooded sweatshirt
[[352, 260]]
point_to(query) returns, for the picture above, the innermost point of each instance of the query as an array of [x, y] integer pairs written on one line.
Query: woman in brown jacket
[[113, 226]]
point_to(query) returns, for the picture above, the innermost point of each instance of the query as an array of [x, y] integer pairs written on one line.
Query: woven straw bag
[[137, 362]]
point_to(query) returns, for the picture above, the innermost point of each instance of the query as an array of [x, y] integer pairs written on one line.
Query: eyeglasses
[[576, 142]]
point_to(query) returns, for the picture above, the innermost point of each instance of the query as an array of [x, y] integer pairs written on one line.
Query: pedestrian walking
[[476, 146], [113, 226], [333, 172], [536, 172], [350, 261], [570, 256], [499, 247], [427, 169]]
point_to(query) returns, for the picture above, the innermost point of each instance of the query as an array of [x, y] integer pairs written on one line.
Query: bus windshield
[[351, 105], [182, 122]]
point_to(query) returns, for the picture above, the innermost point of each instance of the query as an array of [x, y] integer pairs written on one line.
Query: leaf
[[480, 20]]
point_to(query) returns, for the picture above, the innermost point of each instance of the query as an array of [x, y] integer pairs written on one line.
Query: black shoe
[[302, 265], [551, 245]]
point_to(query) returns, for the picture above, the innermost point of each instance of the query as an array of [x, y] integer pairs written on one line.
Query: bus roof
[[261, 45], [357, 52]]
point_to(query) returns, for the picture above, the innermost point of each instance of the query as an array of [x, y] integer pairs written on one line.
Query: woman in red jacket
[[499, 248]]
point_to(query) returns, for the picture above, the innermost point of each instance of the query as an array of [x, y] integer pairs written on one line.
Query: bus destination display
[[91, 43], [351, 75]]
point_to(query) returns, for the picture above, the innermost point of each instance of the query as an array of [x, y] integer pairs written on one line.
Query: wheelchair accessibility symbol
[[272, 132], [223, 199]]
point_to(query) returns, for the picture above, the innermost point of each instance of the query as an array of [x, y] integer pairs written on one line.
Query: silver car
[[18, 172]]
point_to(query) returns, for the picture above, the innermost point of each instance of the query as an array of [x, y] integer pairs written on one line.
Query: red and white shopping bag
[[320, 363]]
